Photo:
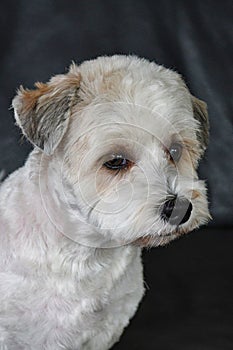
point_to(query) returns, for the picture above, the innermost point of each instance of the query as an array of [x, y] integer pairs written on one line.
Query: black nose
[[177, 211]]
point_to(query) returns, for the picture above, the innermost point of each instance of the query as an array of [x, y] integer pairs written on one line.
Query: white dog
[[117, 143]]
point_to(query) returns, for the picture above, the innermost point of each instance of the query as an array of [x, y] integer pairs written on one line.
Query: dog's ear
[[43, 113], [200, 113]]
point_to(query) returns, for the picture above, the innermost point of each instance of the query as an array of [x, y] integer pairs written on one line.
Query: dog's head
[[127, 136]]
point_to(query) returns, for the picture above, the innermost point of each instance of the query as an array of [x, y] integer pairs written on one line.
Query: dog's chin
[[161, 239]]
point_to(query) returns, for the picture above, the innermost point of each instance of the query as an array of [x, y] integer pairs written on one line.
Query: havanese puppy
[[117, 143]]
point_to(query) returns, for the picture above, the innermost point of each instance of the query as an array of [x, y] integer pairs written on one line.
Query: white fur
[[70, 273]]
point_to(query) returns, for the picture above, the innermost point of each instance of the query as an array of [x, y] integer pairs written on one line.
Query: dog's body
[[57, 294], [70, 265]]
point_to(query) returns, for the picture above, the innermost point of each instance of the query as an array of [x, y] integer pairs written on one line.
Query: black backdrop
[[190, 301]]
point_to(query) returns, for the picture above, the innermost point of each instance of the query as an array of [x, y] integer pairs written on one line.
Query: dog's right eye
[[117, 163]]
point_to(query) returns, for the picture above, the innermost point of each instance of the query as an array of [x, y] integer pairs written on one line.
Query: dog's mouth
[[154, 240]]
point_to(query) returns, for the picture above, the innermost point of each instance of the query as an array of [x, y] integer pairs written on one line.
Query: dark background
[[189, 303]]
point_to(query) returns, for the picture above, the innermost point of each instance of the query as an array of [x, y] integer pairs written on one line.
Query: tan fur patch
[[30, 97], [56, 84], [195, 194], [43, 113]]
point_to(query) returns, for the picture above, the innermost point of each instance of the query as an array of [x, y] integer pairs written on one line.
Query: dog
[[117, 141]]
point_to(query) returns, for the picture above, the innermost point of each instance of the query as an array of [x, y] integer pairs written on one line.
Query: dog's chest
[[72, 309]]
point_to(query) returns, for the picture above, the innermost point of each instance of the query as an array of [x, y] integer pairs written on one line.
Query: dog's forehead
[[160, 115], [136, 101]]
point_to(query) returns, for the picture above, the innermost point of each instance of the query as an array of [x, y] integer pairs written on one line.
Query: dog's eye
[[175, 152], [117, 163]]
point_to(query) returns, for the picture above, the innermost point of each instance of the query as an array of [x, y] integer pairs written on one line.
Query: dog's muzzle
[[176, 211]]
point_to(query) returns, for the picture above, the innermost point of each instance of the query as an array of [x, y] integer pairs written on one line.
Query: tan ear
[[201, 115], [43, 113]]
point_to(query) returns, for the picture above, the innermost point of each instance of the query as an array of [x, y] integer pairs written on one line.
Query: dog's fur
[[71, 229]]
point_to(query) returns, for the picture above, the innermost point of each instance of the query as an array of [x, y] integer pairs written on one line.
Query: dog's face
[[127, 136]]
